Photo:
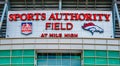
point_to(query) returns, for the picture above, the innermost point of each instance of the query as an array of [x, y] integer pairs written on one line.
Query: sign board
[[59, 24]]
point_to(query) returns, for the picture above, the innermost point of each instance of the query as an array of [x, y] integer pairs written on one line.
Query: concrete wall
[[79, 44]]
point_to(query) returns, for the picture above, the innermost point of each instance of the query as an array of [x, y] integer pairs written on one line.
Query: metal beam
[[117, 12], [60, 4], [3, 14]]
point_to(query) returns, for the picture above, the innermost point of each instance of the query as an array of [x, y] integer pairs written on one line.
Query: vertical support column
[[60, 4], [8, 7], [34, 2], [8, 2], [35, 58], [113, 13]]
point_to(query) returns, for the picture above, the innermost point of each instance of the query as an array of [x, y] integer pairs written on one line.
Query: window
[[58, 59]]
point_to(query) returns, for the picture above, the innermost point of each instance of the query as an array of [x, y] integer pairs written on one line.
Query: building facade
[[60, 33]]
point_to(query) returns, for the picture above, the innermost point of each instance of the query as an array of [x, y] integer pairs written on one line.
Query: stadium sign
[[59, 24], [59, 16]]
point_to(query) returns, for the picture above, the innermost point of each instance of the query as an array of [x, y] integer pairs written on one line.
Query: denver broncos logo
[[91, 27]]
